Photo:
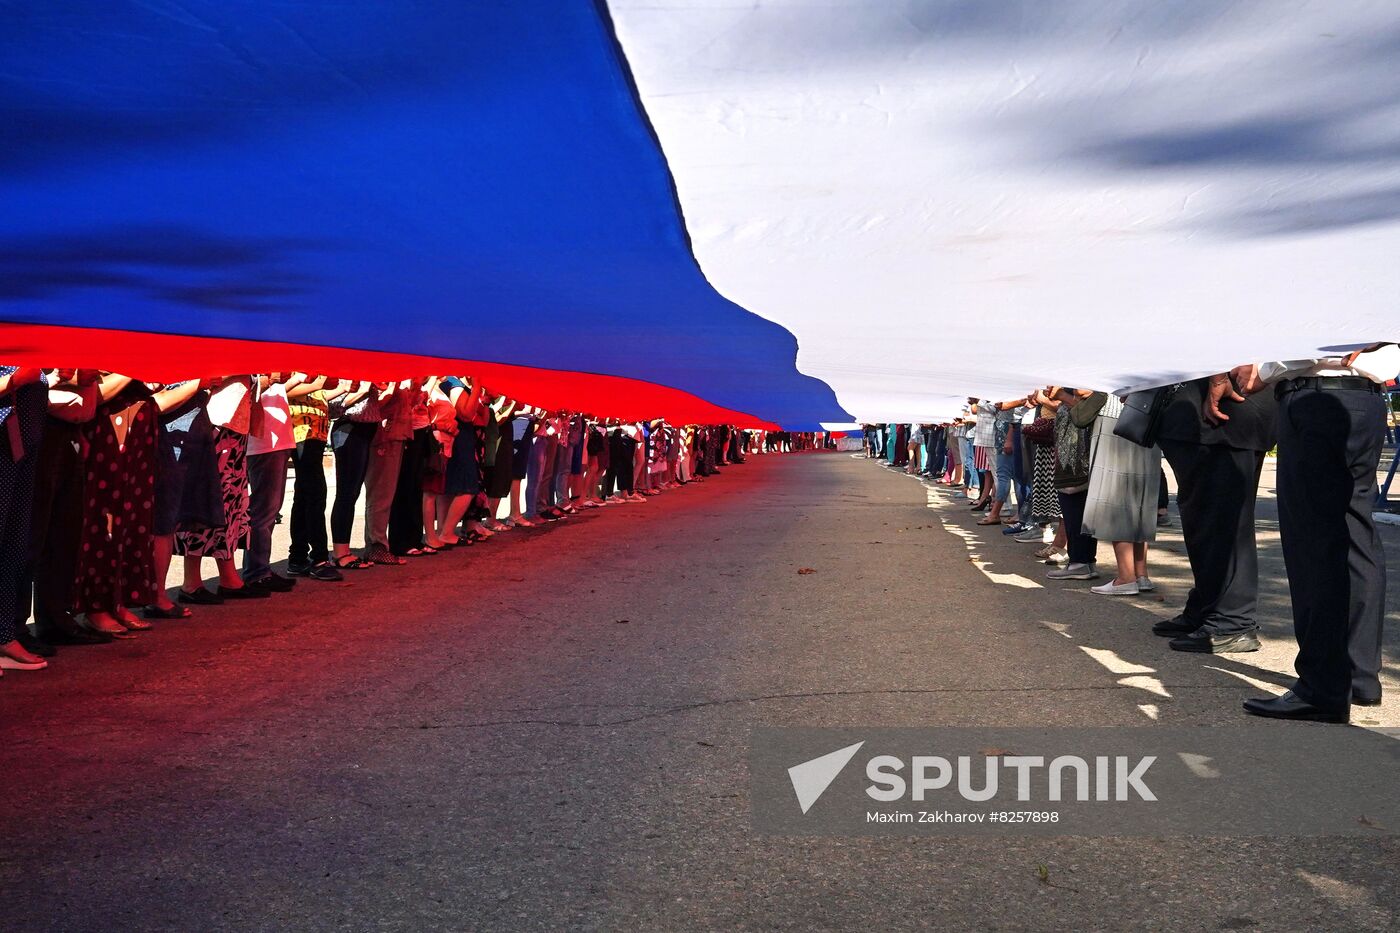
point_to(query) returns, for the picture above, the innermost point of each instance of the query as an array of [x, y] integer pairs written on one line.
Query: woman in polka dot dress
[[116, 562]]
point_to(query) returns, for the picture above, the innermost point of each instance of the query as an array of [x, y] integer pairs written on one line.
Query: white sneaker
[[1145, 585], [1074, 572], [1115, 589]]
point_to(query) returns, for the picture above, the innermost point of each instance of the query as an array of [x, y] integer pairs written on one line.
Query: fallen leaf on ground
[[805, 570]]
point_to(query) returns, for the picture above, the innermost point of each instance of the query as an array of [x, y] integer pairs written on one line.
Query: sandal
[[989, 521], [119, 632], [131, 620], [350, 562]]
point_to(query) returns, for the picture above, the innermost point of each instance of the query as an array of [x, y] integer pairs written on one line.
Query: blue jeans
[[562, 463], [267, 477], [535, 474], [1006, 468], [970, 474]]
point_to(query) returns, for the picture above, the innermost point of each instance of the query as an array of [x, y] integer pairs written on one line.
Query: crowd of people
[[1049, 470], [105, 480], [1052, 470]]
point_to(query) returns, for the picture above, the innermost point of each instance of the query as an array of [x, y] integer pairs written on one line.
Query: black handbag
[[1141, 418]]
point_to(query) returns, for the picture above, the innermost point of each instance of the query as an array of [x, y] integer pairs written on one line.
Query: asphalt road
[[551, 731]]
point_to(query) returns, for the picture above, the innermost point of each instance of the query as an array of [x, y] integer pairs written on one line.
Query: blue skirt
[[463, 476]]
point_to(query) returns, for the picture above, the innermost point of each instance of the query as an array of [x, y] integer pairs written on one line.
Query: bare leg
[[194, 577], [456, 510], [429, 508], [228, 572], [164, 549], [1123, 555], [988, 488], [493, 506]]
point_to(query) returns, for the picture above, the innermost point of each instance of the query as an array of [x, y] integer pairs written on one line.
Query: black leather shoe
[[199, 597], [243, 592], [71, 633], [1203, 641], [34, 645], [1291, 706], [1359, 700], [272, 583], [1177, 625]]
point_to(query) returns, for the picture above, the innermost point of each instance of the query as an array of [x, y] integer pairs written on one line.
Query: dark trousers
[[1329, 444], [406, 512], [543, 493], [267, 480], [352, 441], [16, 513], [1083, 549], [57, 527], [1216, 488], [621, 454], [308, 523]]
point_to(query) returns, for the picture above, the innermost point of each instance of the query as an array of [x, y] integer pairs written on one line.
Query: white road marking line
[[1114, 663], [1200, 765]]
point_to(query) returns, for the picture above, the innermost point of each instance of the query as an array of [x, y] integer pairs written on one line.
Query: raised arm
[[177, 395]]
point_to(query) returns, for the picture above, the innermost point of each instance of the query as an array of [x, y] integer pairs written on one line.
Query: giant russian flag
[[430, 185], [634, 206]]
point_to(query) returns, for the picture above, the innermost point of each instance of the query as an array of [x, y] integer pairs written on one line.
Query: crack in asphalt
[[730, 701]]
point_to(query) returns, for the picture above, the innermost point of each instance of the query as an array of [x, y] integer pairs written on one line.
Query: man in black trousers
[[1216, 449], [1331, 424]]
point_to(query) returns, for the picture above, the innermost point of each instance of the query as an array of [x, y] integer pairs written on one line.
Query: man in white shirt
[[1331, 423]]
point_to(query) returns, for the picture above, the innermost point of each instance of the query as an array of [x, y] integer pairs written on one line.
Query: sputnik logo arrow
[[811, 778]]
